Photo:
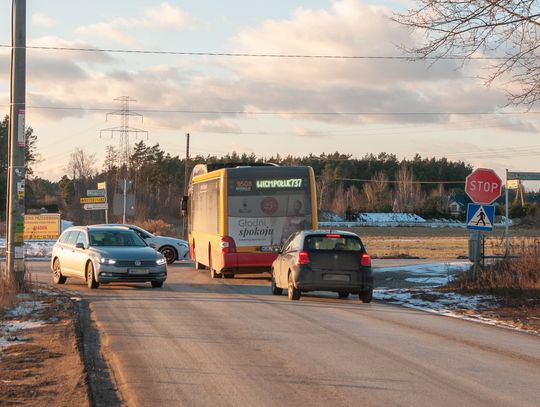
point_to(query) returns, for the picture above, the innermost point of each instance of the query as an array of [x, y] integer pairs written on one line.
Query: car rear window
[[333, 242]]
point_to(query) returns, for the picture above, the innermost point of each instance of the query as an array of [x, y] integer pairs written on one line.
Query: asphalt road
[[200, 342]]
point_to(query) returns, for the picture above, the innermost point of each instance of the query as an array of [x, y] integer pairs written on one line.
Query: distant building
[[457, 205]]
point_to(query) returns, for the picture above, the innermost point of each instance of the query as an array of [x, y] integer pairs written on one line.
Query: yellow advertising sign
[[93, 199], [42, 227], [512, 184]]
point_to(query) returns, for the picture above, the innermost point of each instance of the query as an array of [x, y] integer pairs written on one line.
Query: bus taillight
[[227, 244]]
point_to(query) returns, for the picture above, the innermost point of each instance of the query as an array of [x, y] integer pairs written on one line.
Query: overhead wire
[[258, 55]]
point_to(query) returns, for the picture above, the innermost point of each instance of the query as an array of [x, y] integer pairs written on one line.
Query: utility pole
[[16, 147], [184, 213], [124, 145]]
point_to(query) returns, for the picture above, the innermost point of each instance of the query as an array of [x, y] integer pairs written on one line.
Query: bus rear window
[[333, 242]]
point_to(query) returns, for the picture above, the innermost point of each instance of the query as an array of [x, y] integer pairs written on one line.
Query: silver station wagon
[[106, 254]]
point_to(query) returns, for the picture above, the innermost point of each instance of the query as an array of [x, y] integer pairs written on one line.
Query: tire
[[213, 273], [292, 292], [157, 284], [343, 294], [198, 266], [58, 278], [275, 289], [91, 281], [170, 254], [366, 296]]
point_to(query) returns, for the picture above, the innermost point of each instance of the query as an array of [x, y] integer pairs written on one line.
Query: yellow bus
[[239, 216]]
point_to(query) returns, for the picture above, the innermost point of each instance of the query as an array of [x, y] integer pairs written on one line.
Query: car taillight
[[333, 235], [365, 260], [302, 258], [227, 244]]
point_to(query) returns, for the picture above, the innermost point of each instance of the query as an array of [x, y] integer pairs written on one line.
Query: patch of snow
[[425, 298], [430, 281], [440, 269], [26, 308], [389, 217], [32, 248], [376, 219], [9, 329]]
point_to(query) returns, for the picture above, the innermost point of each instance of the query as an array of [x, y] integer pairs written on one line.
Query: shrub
[[516, 279], [157, 226]]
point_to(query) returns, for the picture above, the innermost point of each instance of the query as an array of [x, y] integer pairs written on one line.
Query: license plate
[[336, 277], [269, 248], [138, 271]]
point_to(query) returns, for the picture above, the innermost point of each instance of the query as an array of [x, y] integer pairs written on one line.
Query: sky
[[254, 104]]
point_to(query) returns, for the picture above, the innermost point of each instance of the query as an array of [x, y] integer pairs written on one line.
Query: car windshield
[[115, 238], [333, 242]]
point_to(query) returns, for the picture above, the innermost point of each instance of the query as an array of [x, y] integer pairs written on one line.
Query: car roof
[[98, 227], [310, 232]]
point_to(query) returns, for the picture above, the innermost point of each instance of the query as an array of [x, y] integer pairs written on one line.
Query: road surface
[[200, 342]]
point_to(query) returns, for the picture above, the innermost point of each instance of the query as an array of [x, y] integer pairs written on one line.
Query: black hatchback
[[319, 260]]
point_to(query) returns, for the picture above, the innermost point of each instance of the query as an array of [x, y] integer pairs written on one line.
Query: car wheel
[[366, 296], [343, 294], [213, 273], [275, 289], [169, 253], [91, 281], [292, 292], [156, 284], [58, 278]]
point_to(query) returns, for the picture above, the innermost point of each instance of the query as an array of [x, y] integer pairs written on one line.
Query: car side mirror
[[79, 245]]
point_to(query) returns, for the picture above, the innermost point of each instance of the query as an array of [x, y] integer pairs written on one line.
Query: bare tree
[[504, 32], [81, 165], [377, 192], [407, 192]]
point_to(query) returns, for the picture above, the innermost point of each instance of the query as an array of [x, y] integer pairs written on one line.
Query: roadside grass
[[515, 280]]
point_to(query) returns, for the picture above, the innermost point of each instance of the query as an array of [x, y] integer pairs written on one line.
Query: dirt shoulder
[[49, 354]]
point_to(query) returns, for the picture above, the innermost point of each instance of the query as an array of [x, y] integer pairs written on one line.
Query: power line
[[401, 182], [271, 113], [253, 55]]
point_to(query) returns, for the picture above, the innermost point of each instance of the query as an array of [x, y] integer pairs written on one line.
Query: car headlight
[[105, 260], [161, 261]]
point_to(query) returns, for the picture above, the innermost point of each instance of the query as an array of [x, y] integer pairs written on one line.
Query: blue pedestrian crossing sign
[[480, 217]]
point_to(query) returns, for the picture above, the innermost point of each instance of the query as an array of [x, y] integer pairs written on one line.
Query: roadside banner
[[42, 227]]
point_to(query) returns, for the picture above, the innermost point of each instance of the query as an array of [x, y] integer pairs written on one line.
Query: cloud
[[169, 16], [112, 31], [371, 91], [42, 20], [80, 57], [164, 16]]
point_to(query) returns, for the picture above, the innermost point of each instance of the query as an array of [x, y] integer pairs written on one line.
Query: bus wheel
[[198, 266], [213, 273]]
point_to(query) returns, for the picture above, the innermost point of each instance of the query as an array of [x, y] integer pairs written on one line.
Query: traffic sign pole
[[507, 221]]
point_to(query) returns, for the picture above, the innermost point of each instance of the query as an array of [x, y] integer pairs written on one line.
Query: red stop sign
[[483, 185]]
